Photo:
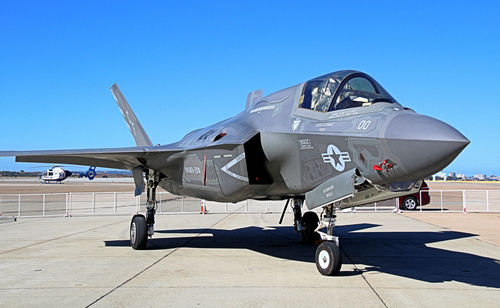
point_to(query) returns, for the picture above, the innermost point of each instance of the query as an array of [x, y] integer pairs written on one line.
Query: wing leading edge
[[117, 158]]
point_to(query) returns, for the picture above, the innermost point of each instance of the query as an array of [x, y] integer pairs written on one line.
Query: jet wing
[[117, 158]]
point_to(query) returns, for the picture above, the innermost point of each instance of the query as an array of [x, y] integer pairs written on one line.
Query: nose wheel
[[328, 258]]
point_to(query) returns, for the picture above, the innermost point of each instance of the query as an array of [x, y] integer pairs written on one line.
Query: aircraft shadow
[[405, 254]]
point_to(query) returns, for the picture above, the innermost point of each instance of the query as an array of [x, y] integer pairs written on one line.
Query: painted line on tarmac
[[362, 275], [60, 237], [158, 261]]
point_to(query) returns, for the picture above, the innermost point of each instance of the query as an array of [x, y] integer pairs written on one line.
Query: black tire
[[310, 222], [328, 259], [410, 203], [138, 232]]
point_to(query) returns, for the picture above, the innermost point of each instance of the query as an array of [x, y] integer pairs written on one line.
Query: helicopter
[[57, 174]]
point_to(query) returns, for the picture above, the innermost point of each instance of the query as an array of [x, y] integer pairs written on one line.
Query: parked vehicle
[[411, 202]]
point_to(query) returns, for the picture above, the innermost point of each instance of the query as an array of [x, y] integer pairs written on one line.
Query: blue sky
[[187, 64]]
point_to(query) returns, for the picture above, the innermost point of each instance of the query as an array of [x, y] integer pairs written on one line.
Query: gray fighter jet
[[336, 141]]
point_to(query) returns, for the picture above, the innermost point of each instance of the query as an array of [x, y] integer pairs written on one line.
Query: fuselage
[[56, 174], [298, 138]]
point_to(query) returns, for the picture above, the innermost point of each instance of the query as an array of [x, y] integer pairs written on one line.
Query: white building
[[440, 176], [480, 177]]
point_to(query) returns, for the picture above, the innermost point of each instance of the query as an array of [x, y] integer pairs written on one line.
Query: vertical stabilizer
[[140, 136]]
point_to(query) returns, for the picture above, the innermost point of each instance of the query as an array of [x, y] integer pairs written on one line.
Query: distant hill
[[17, 173]]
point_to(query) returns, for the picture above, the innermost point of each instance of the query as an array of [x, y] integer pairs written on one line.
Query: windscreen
[[318, 94], [356, 90]]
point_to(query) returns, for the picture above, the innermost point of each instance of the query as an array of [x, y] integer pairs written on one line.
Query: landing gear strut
[[141, 227], [305, 224], [328, 256], [297, 214]]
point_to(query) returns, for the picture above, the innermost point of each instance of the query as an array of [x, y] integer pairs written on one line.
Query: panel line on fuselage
[[232, 163]]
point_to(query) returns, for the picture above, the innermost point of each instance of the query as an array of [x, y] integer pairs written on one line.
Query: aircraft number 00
[[363, 125]]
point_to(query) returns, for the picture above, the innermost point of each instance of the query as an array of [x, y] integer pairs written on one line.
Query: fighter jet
[[336, 141]]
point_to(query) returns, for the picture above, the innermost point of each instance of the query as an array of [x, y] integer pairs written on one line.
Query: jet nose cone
[[422, 145], [411, 126]]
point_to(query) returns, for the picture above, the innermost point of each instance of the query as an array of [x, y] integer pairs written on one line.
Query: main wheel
[[410, 203], [310, 222], [328, 259], [138, 232]]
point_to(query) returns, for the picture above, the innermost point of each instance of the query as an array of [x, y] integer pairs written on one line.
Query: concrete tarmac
[[243, 260]]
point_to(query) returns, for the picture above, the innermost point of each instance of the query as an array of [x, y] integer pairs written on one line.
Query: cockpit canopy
[[341, 90]]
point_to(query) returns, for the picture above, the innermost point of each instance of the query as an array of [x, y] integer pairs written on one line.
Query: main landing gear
[[141, 227], [328, 257], [305, 225]]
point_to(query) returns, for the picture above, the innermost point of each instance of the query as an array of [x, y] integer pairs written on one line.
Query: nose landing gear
[[328, 256]]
